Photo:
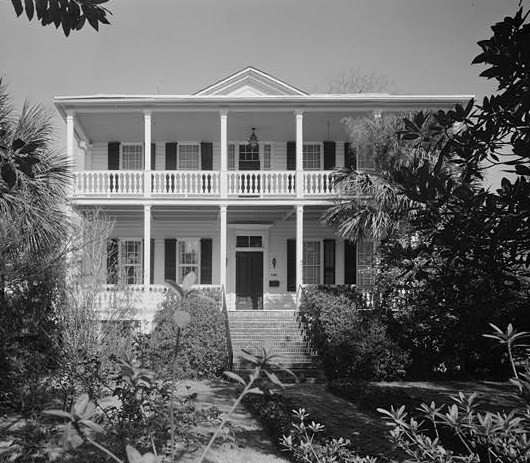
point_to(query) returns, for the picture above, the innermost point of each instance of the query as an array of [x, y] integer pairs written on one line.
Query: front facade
[[230, 183]]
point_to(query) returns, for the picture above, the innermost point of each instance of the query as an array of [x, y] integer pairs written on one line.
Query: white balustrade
[[261, 182], [106, 182], [317, 183], [186, 182]]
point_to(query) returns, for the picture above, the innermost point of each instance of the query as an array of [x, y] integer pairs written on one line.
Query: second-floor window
[[132, 156], [311, 156], [188, 156]]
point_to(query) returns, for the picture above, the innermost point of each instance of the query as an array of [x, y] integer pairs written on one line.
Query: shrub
[[203, 346], [351, 341]]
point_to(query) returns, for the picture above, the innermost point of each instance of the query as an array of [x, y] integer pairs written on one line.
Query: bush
[[351, 341], [203, 346]]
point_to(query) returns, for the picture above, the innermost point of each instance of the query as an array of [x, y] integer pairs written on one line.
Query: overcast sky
[[181, 46]]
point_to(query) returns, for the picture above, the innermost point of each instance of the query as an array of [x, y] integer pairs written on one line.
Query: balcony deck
[[196, 183]]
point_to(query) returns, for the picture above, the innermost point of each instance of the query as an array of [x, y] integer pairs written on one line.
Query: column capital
[[147, 207], [147, 112], [70, 113], [223, 112], [299, 113], [223, 208]]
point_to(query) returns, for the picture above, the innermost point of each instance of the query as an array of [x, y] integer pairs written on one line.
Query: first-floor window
[[130, 262], [132, 156], [188, 158], [188, 252], [311, 156], [365, 263], [311, 259], [365, 160]]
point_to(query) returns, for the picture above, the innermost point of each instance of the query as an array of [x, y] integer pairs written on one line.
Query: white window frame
[[233, 154], [122, 264], [179, 265], [122, 155], [320, 262], [365, 271], [321, 157], [187, 144]]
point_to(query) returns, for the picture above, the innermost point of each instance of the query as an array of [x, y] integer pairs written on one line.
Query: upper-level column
[[224, 152], [70, 137], [299, 153], [147, 150]]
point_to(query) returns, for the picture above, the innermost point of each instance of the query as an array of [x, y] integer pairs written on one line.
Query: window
[[188, 156], [248, 153], [231, 156], [132, 156], [267, 157], [311, 267], [365, 263], [188, 258], [311, 156], [365, 160], [249, 242], [130, 262]]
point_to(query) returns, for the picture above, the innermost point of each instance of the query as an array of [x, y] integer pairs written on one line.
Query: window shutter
[[153, 156], [170, 259], [152, 262], [329, 262], [207, 155], [114, 155], [350, 158], [112, 261], [291, 155], [350, 263], [171, 156], [291, 265], [329, 155], [206, 261]]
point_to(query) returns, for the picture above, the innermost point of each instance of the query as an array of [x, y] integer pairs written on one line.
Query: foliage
[[306, 446], [458, 432], [351, 341], [70, 14], [357, 81], [203, 344]]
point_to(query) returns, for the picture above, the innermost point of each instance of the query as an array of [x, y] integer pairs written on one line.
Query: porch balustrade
[[264, 183]]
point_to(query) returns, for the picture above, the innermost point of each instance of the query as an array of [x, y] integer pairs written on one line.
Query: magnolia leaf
[[71, 438], [83, 408], [59, 413], [235, 377], [274, 378], [255, 390], [188, 282], [248, 356], [181, 318], [133, 455], [91, 425], [175, 288]]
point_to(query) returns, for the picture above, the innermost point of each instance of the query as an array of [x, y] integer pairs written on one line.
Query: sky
[[181, 46]]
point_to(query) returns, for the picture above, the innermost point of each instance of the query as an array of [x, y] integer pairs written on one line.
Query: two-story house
[[229, 182]]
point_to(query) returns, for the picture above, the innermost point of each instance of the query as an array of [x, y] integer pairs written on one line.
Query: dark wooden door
[[249, 280]]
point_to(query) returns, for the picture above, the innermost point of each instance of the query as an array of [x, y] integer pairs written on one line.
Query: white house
[[229, 182]]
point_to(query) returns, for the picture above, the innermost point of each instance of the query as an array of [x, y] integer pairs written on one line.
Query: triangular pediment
[[250, 82]]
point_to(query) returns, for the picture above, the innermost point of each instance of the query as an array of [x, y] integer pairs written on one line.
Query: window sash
[[312, 262], [188, 258], [188, 156], [365, 263], [231, 156], [267, 151], [312, 154], [132, 156], [131, 262]]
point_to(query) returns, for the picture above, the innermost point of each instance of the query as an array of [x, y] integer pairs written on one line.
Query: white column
[[222, 248], [70, 137], [299, 245], [224, 152], [147, 246], [299, 153], [147, 151]]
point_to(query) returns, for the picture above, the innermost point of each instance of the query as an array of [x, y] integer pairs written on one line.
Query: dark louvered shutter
[[170, 260], [206, 261], [329, 262], [112, 261], [291, 265], [153, 156], [114, 155], [329, 155], [152, 262], [171, 156], [291, 155], [350, 263], [207, 156], [350, 160]]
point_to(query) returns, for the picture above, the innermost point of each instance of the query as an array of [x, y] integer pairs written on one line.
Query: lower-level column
[[147, 245], [222, 248], [299, 246]]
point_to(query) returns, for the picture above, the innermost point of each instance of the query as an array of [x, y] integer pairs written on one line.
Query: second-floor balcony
[[201, 183]]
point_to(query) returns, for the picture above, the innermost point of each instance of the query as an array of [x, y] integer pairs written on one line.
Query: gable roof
[[250, 82]]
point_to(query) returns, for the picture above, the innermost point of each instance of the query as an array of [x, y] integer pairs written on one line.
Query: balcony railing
[[175, 183]]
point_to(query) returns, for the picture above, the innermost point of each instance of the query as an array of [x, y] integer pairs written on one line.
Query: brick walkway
[[366, 431]]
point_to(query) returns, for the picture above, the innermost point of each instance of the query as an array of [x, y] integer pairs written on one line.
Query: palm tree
[[33, 183]]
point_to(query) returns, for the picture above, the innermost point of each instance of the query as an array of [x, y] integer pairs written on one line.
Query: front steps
[[279, 332]]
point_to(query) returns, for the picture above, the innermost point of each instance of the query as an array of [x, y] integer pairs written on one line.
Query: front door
[[249, 280]]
